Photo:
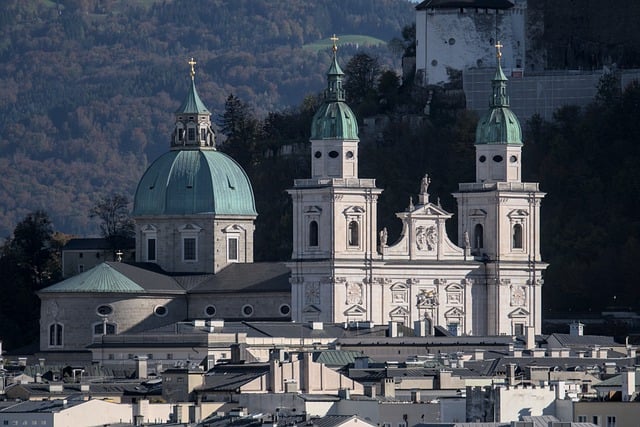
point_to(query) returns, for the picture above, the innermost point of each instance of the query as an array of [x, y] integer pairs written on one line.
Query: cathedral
[[194, 211]]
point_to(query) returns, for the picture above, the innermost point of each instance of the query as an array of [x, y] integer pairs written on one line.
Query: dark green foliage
[[28, 262], [586, 160]]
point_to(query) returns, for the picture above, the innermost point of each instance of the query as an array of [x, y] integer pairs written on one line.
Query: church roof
[[253, 277], [185, 182], [192, 104], [101, 278]]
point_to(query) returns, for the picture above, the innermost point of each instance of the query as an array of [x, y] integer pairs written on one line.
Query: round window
[[513, 159], [333, 154], [210, 310], [349, 154], [497, 159], [285, 309], [104, 310], [452, 41], [247, 310], [434, 62], [317, 154], [160, 311], [482, 159]]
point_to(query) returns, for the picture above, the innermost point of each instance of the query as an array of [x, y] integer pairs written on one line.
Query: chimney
[[420, 328], [576, 329], [344, 393], [631, 352], [361, 362], [141, 367], [389, 387], [628, 383], [317, 326], [370, 390], [561, 392], [511, 373], [478, 354], [580, 354], [530, 337], [393, 328]]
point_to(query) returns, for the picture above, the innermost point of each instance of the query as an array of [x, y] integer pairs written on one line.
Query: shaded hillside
[[88, 87]]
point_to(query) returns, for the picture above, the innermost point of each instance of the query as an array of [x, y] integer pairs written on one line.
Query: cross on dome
[[498, 51], [334, 39], [193, 63]]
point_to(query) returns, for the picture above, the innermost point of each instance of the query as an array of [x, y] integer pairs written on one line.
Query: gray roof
[[337, 420], [55, 405], [581, 341], [253, 277]]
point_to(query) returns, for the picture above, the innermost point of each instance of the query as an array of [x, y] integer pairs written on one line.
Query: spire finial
[[334, 39], [498, 51], [193, 63]]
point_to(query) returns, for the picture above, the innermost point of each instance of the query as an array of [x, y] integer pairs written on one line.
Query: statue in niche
[[383, 237]]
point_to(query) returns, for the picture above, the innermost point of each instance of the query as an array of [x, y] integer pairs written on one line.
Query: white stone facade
[[461, 39]]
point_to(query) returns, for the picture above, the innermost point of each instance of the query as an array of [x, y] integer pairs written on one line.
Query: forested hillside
[[88, 87]]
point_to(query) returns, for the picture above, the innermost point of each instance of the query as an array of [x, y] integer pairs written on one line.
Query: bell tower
[[334, 213], [500, 219]]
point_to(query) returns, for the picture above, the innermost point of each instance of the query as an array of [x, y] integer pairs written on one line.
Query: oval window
[[210, 310], [452, 41], [333, 154], [482, 159], [285, 309], [247, 310], [513, 159], [160, 311], [317, 154], [497, 159], [104, 310]]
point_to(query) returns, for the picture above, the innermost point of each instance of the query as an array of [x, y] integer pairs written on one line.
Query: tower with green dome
[[194, 206], [499, 219], [334, 211]]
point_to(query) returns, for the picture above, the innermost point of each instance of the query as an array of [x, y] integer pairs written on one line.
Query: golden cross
[[498, 51], [334, 39], [193, 69]]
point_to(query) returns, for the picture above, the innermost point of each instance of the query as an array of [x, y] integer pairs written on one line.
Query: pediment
[[313, 210], [454, 287], [518, 213], [454, 312], [311, 309], [355, 310], [234, 228], [399, 311], [149, 229], [354, 210], [477, 213], [399, 287], [519, 312], [189, 228]]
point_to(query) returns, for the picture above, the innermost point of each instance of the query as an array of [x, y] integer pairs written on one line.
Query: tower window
[[353, 234], [151, 249], [478, 236], [313, 233], [192, 134], [203, 134], [517, 236], [189, 249], [232, 249], [55, 335]]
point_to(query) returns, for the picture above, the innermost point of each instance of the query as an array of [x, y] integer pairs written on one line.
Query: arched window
[[517, 236], [104, 328], [55, 335], [313, 233], [353, 234], [478, 236]]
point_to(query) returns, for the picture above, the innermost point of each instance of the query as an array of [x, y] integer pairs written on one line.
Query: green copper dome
[[499, 125], [185, 182], [192, 104], [334, 119], [101, 278]]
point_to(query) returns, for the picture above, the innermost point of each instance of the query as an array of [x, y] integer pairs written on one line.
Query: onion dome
[[334, 119], [499, 125]]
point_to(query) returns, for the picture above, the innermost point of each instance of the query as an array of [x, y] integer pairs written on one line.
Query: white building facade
[[344, 270]]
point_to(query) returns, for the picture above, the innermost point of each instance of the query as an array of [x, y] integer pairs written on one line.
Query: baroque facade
[[343, 269]]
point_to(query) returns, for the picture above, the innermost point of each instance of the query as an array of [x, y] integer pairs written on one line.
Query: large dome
[[185, 182]]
